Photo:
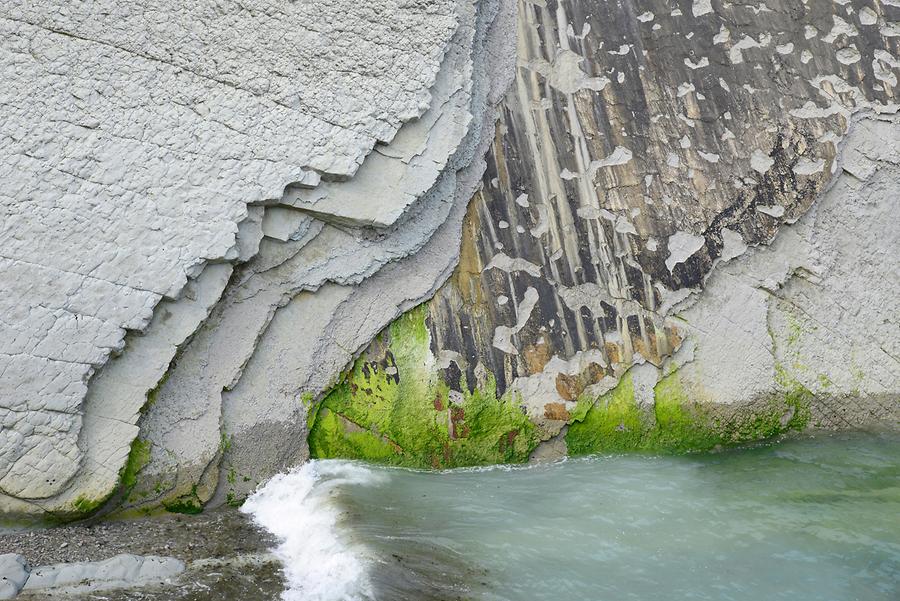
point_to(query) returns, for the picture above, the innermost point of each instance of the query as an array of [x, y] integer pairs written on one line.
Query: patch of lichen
[[235, 496], [154, 394], [233, 500], [677, 422], [330, 437], [138, 457], [681, 424], [391, 407], [493, 430], [788, 370], [800, 399]]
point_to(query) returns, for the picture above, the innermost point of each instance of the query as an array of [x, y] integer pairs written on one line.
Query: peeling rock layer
[[187, 186], [681, 235]]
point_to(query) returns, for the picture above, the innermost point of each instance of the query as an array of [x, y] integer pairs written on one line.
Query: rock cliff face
[[614, 280], [677, 232]]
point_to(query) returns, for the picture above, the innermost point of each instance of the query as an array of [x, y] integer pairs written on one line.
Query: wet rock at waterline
[[434, 234]]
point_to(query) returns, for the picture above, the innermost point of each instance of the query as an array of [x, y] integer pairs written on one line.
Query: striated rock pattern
[[643, 149], [680, 233]]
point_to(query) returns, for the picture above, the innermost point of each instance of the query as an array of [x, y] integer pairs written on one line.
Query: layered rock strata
[[679, 235], [183, 170]]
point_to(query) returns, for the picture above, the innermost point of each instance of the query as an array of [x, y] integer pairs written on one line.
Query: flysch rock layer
[[151, 149], [288, 326], [644, 148], [122, 571], [682, 236]]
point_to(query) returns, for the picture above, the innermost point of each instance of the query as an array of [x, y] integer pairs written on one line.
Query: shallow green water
[[815, 519]]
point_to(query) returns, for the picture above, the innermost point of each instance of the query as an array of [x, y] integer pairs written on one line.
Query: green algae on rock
[[677, 422], [189, 504], [138, 457], [87, 506], [391, 407], [613, 423]]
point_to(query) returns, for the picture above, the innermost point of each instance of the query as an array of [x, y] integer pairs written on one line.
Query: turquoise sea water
[[814, 519]]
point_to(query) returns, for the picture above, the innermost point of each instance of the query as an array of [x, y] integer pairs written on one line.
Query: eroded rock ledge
[[173, 194], [681, 236]]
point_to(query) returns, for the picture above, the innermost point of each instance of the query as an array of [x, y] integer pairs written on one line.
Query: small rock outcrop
[[13, 575], [122, 571]]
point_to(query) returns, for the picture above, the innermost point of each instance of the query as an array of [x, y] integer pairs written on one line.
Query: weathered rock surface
[[644, 155], [168, 145], [13, 575], [121, 571], [147, 155], [681, 235]]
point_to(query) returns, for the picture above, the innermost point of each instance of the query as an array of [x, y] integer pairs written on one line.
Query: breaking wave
[[302, 509]]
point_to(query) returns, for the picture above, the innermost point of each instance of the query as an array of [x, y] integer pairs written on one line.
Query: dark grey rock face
[[646, 155], [639, 143]]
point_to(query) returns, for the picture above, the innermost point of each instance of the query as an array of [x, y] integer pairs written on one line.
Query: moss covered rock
[[676, 422], [392, 407]]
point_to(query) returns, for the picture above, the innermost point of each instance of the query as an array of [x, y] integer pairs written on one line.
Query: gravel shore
[[226, 554]]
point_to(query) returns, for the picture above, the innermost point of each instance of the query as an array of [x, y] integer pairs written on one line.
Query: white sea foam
[[299, 509]]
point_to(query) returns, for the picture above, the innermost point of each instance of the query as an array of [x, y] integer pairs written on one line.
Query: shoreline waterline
[[794, 519], [804, 518]]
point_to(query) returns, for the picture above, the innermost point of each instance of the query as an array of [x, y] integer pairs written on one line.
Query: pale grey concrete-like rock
[[142, 142], [119, 391], [13, 575], [289, 324], [815, 308], [121, 571]]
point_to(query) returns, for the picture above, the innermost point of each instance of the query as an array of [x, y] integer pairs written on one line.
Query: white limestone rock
[[13, 574], [121, 571], [232, 382], [816, 307]]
